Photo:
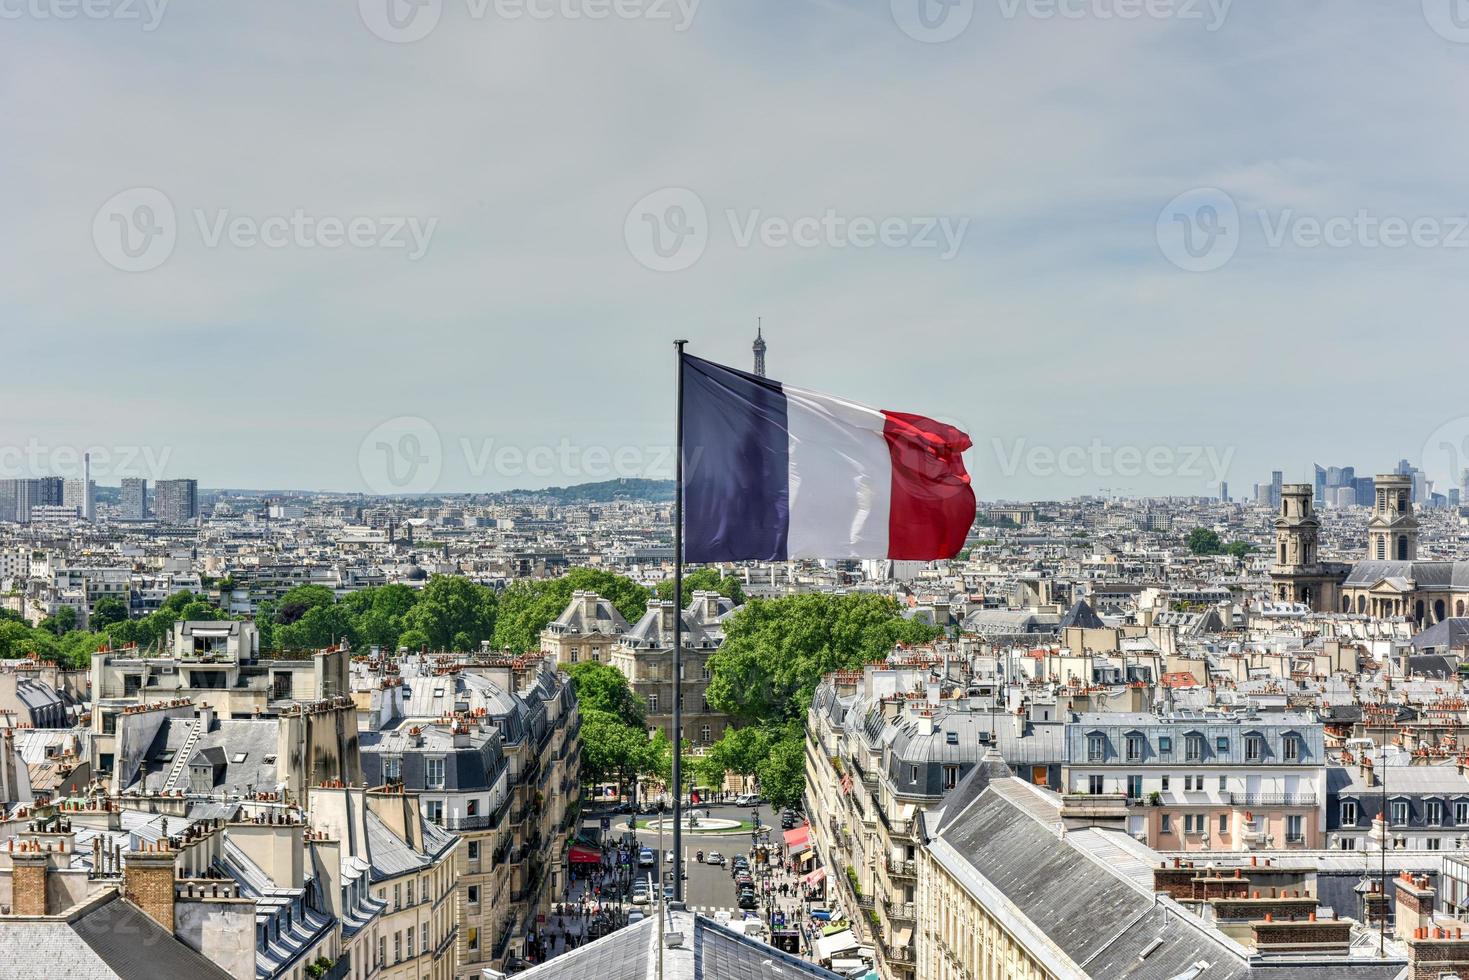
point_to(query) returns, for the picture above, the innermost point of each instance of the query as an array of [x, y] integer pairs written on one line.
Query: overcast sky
[[378, 246]]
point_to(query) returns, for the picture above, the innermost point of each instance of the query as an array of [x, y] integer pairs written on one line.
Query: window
[[434, 772], [1165, 744], [1134, 748], [397, 947], [1254, 748], [1434, 811], [436, 814], [1166, 824], [951, 738], [1096, 748], [382, 950], [951, 777], [706, 672], [397, 899], [392, 769], [1461, 812], [1399, 813], [1432, 843], [1291, 748], [472, 893], [1135, 787], [410, 942], [1188, 784], [1188, 823], [1165, 784], [1223, 783], [474, 850], [472, 808], [1349, 843], [1223, 823], [410, 893], [1293, 829], [705, 734], [653, 704], [1096, 785], [1349, 813], [912, 774], [1193, 747], [1221, 744], [473, 937]]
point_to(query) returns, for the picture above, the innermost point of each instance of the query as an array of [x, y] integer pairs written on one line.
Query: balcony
[[900, 911], [478, 821], [902, 869], [1271, 799]]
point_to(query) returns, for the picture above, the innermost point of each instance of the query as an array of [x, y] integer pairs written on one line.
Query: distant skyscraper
[[759, 348], [18, 497], [1277, 479], [176, 501], [1224, 492], [79, 494], [134, 499]]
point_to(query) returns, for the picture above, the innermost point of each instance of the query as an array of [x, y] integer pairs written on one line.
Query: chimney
[[148, 883], [28, 882], [1414, 905]]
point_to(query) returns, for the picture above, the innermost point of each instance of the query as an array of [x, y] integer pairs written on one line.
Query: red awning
[[797, 837], [585, 855], [815, 876]]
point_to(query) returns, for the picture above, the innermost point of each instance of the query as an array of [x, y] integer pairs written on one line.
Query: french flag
[[774, 472]]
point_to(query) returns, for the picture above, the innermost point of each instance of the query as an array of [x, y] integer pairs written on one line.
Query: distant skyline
[[1077, 233]]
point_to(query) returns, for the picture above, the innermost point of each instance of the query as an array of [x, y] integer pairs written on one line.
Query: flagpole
[[678, 346]]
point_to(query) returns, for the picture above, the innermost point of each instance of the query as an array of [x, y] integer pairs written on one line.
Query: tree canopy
[[704, 580], [526, 606]]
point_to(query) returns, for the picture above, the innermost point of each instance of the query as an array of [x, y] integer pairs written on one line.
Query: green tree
[[106, 611], [1203, 541], [783, 772], [297, 602], [704, 580], [453, 613], [1239, 549], [777, 650], [614, 751], [527, 606], [603, 688], [64, 620]]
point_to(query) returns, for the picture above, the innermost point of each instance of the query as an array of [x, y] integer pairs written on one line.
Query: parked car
[[640, 896], [748, 901]]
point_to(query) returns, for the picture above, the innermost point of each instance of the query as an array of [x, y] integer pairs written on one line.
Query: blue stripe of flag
[[736, 465]]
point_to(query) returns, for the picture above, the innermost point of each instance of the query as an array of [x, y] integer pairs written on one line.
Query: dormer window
[[1254, 748], [1096, 748], [1290, 748], [1134, 748], [1193, 747]]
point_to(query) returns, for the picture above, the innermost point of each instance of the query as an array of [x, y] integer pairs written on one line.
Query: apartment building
[[588, 629], [1015, 881], [176, 501], [1206, 780], [490, 748], [644, 654]]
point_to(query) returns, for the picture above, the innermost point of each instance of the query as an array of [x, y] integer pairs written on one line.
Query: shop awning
[[815, 876], [585, 855], [799, 836]]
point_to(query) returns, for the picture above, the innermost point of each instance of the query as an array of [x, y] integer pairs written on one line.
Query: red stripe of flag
[[932, 501]]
